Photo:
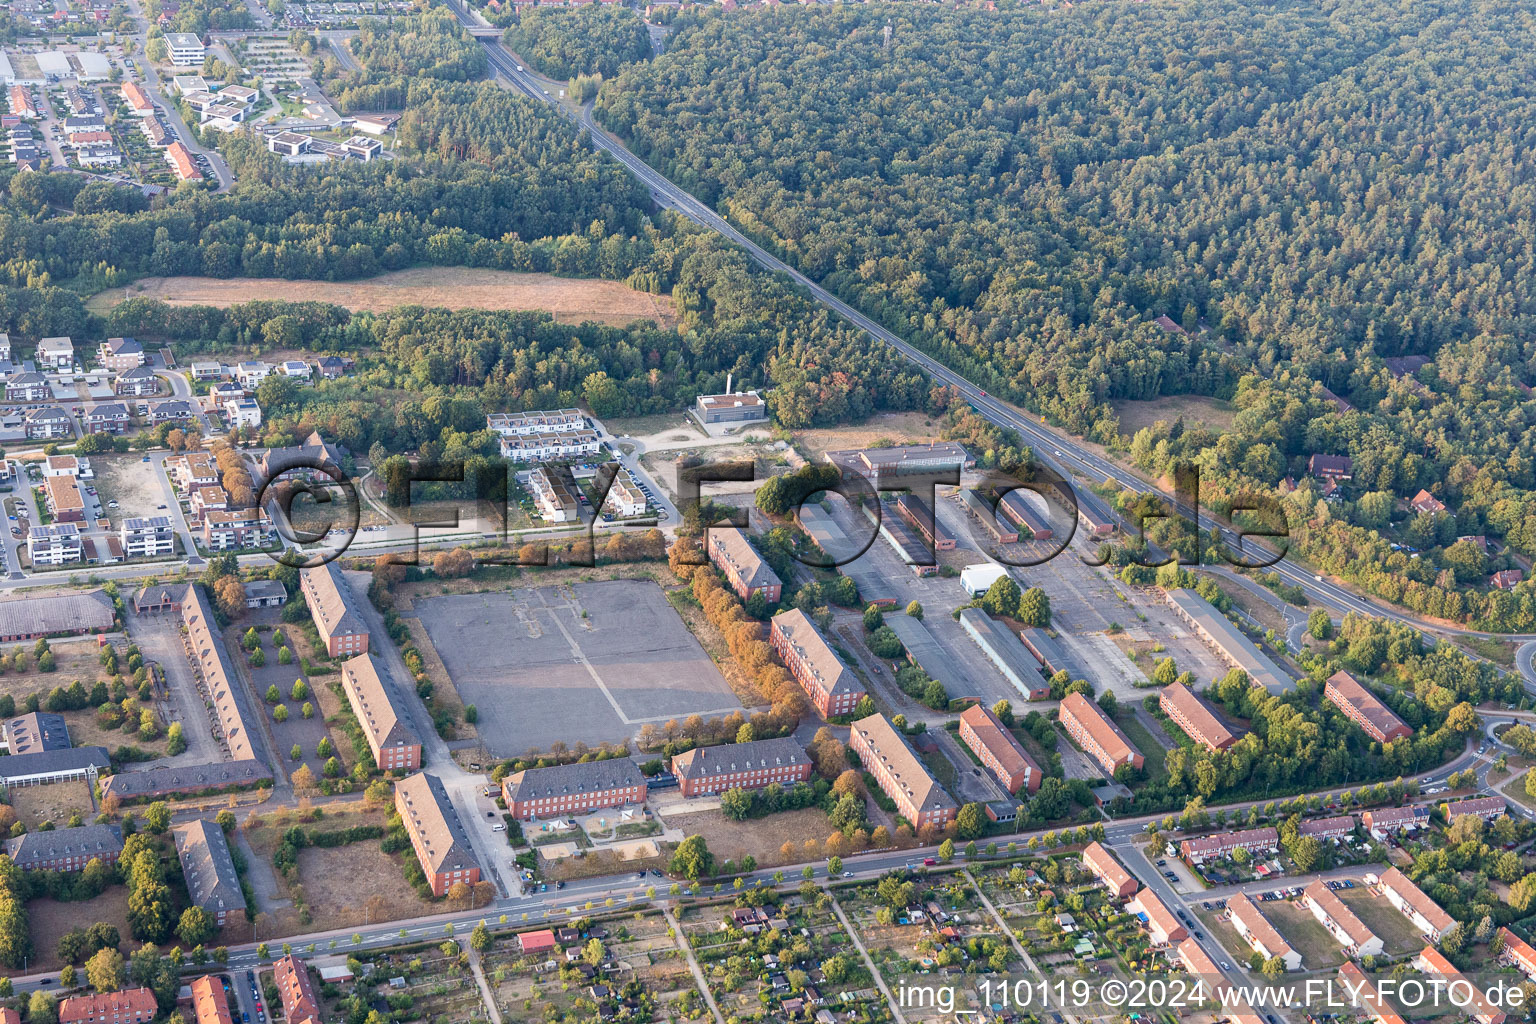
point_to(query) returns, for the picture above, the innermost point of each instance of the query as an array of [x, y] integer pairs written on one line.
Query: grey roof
[[210, 657], [1005, 652], [49, 762], [383, 721], [266, 588], [117, 410], [1230, 641], [429, 816], [566, 779], [46, 412], [702, 762], [1052, 656], [172, 407], [84, 841], [136, 373], [208, 867], [40, 730], [189, 778], [123, 346], [61, 613], [25, 378], [314, 453]]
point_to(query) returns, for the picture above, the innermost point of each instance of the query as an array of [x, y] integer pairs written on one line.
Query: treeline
[[597, 39]]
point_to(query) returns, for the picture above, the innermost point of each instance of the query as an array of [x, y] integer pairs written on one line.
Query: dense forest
[[596, 39], [1305, 190]]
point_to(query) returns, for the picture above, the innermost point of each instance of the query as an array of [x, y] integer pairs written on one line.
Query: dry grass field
[[55, 802], [48, 919], [1195, 409], [73, 659], [569, 300], [895, 427], [761, 837]]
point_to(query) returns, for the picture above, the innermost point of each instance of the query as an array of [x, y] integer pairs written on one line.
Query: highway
[[1065, 455]]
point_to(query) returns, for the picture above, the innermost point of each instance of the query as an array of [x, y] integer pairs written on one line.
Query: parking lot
[[590, 662]]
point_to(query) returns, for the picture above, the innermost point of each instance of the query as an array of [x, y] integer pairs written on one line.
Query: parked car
[[498, 828]]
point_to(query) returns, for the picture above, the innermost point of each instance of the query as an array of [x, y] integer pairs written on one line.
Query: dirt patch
[[896, 427], [47, 920], [132, 483], [54, 802], [1194, 409], [569, 300], [761, 837]]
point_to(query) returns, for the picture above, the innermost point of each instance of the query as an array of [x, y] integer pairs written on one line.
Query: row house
[[1328, 828], [122, 1006], [1382, 822], [832, 687], [1347, 929], [900, 774], [554, 494], [1257, 931], [1109, 871], [544, 447], [1162, 925], [754, 765], [1413, 903], [1478, 1006], [1517, 953], [1254, 840], [1488, 808], [625, 499], [522, 424], [568, 789]]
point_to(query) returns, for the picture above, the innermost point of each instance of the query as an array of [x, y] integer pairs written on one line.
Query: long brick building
[[832, 687], [437, 835], [1189, 713], [1109, 871], [122, 1006], [741, 766], [744, 568], [300, 1004], [1004, 757], [384, 722], [1099, 737], [900, 774], [66, 849], [1362, 707], [573, 788], [330, 604]]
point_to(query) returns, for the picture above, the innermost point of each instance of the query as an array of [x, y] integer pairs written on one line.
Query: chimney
[[728, 382]]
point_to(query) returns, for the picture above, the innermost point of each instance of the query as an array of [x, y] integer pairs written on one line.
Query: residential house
[[57, 353], [1108, 871], [121, 1006], [384, 721], [186, 49], [172, 410], [242, 412], [1341, 922], [65, 502], [1505, 579], [1425, 502], [625, 499], [138, 381], [55, 544], [300, 1004], [107, 418], [1254, 840], [1422, 912], [1462, 996], [233, 531], [27, 387], [119, 354], [999, 751], [1257, 931], [1163, 927], [66, 849], [48, 422]]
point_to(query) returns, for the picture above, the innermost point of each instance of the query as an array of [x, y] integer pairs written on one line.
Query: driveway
[[159, 638]]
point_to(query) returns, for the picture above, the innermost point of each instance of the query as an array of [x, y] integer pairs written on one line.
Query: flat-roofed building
[[1190, 713], [1108, 871], [1364, 708], [568, 789], [906, 458], [1100, 738], [920, 516], [625, 499], [1254, 840], [745, 570], [1004, 757], [1256, 929], [186, 48], [1424, 913], [55, 544], [1227, 640], [733, 407], [1162, 925], [1049, 653], [385, 723], [1347, 929], [751, 765], [209, 869], [832, 687], [437, 835], [1006, 653], [147, 537], [900, 774], [330, 604], [554, 494], [1015, 505]]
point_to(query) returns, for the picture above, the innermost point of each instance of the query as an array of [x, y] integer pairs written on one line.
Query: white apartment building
[[147, 537]]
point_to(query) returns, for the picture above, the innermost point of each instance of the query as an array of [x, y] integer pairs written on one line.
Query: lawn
[[1155, 764], [1317, 948], [1398, 935]]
